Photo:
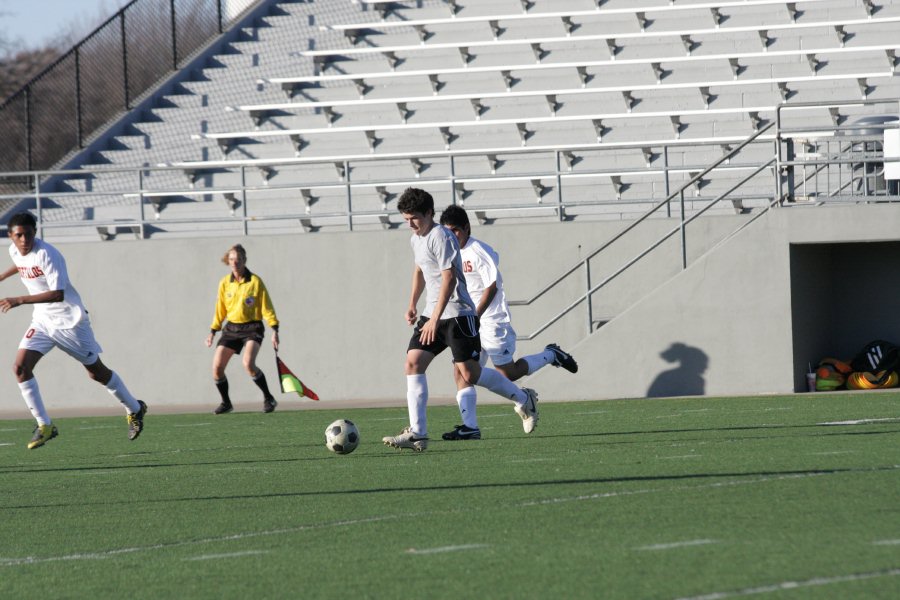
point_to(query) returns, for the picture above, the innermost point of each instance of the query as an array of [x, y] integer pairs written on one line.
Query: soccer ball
[[342, 437]]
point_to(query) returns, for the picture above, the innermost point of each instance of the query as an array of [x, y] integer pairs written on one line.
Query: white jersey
[[481, 266], [43, 270], [435, 252]]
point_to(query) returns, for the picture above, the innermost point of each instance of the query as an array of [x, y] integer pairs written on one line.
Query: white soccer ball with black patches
[[342, 437]]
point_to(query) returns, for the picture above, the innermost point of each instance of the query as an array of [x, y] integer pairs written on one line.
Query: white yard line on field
[[681, 456], [673, 545], [31, 560], [862, 421], [446, 549], [193, 425], [228, 555], [886, 543], [793, 585]]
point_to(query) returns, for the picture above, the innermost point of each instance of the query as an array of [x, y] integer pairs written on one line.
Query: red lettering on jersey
[[467, 266], [29, 333], [30, 273]]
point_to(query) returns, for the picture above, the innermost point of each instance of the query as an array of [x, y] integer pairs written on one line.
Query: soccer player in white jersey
[[498, 339], [59, 321], [447, 321]]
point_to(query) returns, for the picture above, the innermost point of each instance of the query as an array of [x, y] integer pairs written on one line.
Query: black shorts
[[235, 335], [460, 334]]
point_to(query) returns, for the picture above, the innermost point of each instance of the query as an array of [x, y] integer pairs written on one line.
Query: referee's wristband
[[275, 328], [213, 331]]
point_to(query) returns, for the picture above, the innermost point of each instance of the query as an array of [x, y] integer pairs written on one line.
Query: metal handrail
[[653, 246], [677, 193]]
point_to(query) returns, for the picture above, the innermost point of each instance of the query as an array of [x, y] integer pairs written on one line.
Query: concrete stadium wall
[[739, 321], [724, 325]]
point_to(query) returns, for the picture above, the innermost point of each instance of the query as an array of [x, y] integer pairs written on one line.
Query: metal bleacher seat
[[497, 104]]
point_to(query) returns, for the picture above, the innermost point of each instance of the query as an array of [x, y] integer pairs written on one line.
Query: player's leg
[[222, 355], [251, 350], [417, 361], [466, 400], [465, 345], [135, 409], [551, 355], [23, 367], [418, 357]]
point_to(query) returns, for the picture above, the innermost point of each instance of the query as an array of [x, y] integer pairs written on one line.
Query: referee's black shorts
[[460, 334], [235, 335]]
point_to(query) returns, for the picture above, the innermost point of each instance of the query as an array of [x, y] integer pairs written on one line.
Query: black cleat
[[136, 421], [223, 408], [563, 359], [269, 404], [461, 432]]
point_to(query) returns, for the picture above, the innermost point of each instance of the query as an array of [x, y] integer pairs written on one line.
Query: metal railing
[[681, 228], [851, 168], [101, 76], [661, 172]]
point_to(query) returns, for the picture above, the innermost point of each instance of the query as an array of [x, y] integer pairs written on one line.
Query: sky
[[30, 24]]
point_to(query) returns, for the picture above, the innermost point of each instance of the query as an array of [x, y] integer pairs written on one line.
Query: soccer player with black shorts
[[59, 320], [448, 321], [242, 303]]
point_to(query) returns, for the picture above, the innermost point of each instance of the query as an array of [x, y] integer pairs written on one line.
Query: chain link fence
[[103, 75]]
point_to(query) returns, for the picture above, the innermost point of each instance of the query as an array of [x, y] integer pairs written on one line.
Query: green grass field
[[666, 498]]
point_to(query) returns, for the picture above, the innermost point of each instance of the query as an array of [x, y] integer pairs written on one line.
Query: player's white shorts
[[498, 342], [78, 342]]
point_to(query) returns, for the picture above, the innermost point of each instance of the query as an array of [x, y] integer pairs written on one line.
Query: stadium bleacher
[[571, 102]]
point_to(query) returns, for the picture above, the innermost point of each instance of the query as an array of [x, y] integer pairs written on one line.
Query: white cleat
[[406, 439], [529, 410]]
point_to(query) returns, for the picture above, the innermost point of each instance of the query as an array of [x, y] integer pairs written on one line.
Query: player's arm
[[49, 296], [8, 273], [486, 298], [418, 286], [448, 283]]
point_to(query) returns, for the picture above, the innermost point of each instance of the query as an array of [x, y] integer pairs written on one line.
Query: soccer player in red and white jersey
[[448, 321], [498, 339], [59, 321]]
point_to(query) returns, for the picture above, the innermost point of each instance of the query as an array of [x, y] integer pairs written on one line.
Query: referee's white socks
[[116, 387], [32, 395], [500, 385]]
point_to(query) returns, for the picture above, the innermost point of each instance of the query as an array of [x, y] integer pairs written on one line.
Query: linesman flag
[[290, 382]]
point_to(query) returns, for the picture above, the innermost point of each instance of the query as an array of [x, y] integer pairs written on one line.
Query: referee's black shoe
[[223, 408], [269, 404]]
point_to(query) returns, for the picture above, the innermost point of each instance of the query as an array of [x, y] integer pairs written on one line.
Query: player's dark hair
[[22, 219], [455, 216], [415, 200], [240, 252]]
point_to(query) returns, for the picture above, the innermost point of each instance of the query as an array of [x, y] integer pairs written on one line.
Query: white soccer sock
[[416, 401], [32, 396], [500, 385], [466, 399], [116, 387], [538, 361]]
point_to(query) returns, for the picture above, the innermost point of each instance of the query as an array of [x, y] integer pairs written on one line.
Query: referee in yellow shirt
[[242, 304]]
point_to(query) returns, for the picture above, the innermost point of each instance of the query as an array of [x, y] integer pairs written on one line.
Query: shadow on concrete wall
[[686, 379]]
